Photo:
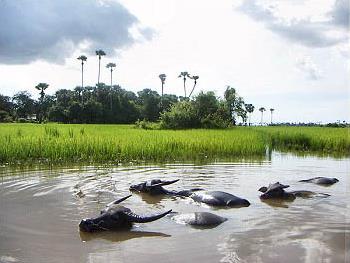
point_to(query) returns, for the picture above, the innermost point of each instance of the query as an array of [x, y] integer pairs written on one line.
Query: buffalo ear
[[263, 189]]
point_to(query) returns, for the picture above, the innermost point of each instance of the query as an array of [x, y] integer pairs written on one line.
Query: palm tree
[[99, 53], [272, 110], [162, 79], [195, 83], [184, 75], [111, 66], [42, 87], [250, 108], [83, 59], [262, 109]]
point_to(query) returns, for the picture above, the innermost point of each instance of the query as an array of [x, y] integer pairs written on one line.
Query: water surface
[[41, 209]]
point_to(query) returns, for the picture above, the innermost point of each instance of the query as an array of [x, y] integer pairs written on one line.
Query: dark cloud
[[305, 32], [53, 30]]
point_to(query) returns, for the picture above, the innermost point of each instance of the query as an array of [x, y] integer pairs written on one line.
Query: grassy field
[[123, 143], [333, 141]]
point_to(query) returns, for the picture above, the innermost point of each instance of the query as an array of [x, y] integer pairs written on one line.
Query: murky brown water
[[40, 212]]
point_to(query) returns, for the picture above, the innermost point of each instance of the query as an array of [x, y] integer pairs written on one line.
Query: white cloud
[[308, 67], [306, 31]]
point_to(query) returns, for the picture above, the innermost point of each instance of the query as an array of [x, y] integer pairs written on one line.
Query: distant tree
[[6, 108], [99, 53], [182, 115], [6, 104], [111, 66], [41, 87], [83, 59], [184, 75], [79, 90], [250, 108], [24, 104], [168, 101], [162, 79], [271, 110], [236, 104], [75, 112], [262, 109], [205, 104], [64, 97], [58, 114], [195, 78], [92, 112], [149, 101]]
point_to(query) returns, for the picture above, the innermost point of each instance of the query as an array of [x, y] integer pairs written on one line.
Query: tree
[[235, 104], [111, 66], [6, 104], [83, 59], [250, 108], [99, 53], [184, 75], [271, 110], [79, 90], [194, 85], [168, 101], [148, 101], [262, 109], [182, 115], [42, 87], [24, 104], [205, 104], [162, 79], [6, 108]]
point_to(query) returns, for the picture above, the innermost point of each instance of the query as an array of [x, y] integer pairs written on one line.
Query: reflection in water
[[119, 236], [41, 210], [283, 203], [152, 199]]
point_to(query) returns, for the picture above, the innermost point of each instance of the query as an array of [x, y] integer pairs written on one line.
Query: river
[[41, 209]]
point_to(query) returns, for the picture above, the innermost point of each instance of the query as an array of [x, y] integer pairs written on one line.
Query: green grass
[[54, 143], [333, 141], [122, 143]]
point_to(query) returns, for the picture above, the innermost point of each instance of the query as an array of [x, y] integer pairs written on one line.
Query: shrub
[[182, 115]]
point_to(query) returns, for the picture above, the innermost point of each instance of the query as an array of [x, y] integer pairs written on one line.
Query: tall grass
[[334, 141], [121, 143]]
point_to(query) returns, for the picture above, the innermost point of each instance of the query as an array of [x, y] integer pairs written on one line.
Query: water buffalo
[[115, 217], [214, 198], [321, 180], [219, 198], [202, 219], [276, 191], [155, 187]]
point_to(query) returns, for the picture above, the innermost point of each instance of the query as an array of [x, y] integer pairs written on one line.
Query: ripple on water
[[41, 209]]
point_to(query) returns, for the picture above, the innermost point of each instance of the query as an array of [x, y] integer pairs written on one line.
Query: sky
[[290, 55]]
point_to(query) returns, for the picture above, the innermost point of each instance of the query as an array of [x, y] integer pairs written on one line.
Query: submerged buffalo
[[214, 198], [218, 198], [321, 180], [202, 219], [276, 191], [115, 217], [155, 187]]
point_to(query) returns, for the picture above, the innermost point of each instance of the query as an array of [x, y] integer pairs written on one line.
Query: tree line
[[112, 104]]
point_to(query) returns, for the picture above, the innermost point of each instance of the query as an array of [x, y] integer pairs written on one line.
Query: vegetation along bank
[[23, 143]]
